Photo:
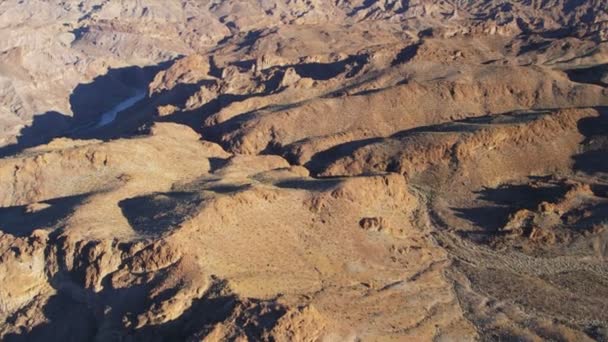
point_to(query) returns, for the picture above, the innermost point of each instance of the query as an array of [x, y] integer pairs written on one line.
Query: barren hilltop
[[291, 170]]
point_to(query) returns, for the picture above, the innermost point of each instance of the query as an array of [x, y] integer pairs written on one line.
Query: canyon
[[290, 170]]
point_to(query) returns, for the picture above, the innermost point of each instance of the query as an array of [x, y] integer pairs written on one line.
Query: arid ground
[[303, 170]]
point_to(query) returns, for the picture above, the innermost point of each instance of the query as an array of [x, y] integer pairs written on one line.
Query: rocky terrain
[[291, 170]]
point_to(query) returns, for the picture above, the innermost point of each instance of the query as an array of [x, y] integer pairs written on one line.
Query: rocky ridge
[[309, 170]]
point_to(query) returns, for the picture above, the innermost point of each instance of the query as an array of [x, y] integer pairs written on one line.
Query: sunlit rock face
[[303, 170]]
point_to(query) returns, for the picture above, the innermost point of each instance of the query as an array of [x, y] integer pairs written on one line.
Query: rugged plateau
[[291, 170]]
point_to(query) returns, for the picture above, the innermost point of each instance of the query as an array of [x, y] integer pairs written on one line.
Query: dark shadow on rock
[[365, 5], [473, 124], [68, 320], [592, 162], [587, 216], [499, 203], [597, 74], [244, 65], [249, 40], [217, 163], [536, 46], [323, 159], [490, 219], [406, 54], [559, 33], [227, 188], [214, 70], [20, 221], [600, 190], [594, 156], [158, 213], [326, 71], [362, 92], [319, 185], [42, 129]]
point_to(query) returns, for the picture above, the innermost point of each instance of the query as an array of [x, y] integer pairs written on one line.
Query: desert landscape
[[303, 170]]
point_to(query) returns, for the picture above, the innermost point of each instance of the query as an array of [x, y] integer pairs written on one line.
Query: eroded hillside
[[304, 170]]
